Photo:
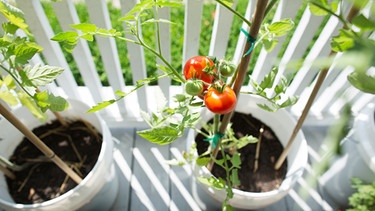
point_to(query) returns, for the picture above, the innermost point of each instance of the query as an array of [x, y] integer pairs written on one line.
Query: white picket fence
[[328, 104]]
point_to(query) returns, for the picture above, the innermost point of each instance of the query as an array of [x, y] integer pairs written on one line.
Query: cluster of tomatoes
[[205, 80]]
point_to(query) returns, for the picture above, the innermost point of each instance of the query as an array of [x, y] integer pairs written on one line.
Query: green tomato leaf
[[289, 102], [160, 135], [25, 51], [101, 106], [40, 75], [269, 45], [234, 177], [343, 42], [362, 81], [363, 23], [29, 102], [218, 184], [318, 7], [202, 161], [236, 160], [49, 101], [85, 27], [269, 79], [14, 15], [282, 27]]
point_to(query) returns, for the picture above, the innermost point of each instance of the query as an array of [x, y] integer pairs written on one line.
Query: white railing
[[127, 112]]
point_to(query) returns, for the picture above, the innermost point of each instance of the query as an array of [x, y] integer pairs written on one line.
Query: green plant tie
[[214, 139], [250, 40]]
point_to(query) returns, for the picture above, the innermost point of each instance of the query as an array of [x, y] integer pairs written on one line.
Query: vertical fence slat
[[137, 59], [265, 60], [67, 14], [221, 31], [165, 43], [42, 31], [99, 15], [192, 29]]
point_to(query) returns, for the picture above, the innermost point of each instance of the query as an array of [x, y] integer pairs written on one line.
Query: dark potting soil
[[265, 178], [78, 145]]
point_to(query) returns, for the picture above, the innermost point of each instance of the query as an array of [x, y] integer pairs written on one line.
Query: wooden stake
[[38, 143], [242, 71], [7, 173], [322, 75]]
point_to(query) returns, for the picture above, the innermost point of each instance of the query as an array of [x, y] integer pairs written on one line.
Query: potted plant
[[19, 82], [215, 84], [364, 196]]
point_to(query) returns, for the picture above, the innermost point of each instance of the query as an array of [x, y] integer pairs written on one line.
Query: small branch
[[257, 152]]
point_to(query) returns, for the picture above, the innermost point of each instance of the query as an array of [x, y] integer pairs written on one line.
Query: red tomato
[[200, 67], [220, 102]]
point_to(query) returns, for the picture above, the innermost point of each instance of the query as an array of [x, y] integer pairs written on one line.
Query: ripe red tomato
[[220, 102], [200, 67]]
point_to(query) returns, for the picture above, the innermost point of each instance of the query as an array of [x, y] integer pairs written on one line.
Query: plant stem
[[234, 12], [322, 75], [38, 143], [244, 63]]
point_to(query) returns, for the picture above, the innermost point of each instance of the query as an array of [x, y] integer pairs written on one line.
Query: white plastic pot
[[357, 159], [99, 188], [282, 124]]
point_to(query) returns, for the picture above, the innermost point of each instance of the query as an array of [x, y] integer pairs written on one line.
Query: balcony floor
[[148, 183]]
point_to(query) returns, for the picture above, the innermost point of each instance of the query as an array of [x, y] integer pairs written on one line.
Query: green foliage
[[17, 51], [276, 102], [364, 197]]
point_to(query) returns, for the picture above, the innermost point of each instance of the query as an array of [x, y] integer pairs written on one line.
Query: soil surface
[[76, 144], [265, 178]]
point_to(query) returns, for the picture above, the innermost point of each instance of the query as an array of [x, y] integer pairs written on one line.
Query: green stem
[[234, 12], [15, 79]]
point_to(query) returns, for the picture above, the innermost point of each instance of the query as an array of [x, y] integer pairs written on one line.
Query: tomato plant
[[220, 101], [200, 67]]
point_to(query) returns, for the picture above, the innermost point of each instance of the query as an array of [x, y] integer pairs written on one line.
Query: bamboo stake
[[322, 75], [38, 143], [7, 173], [244, 64]]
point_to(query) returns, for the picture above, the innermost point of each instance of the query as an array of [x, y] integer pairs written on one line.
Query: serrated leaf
[[65, 36], [40, 75], [25, 51], [236, 160], [160, 135], [342, 42], [363, 23], [234, 177], [29, 102], [101, 106], [14, 15], [269, 45], [289, 102], [281, 27], [202, 161], [245, 141], [317, 7], [49, 101], [362, 81], [269, 79], [218, 184], [84, 27]]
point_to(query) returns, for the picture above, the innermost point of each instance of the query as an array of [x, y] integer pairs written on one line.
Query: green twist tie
[[250, 40], [214, 139]]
